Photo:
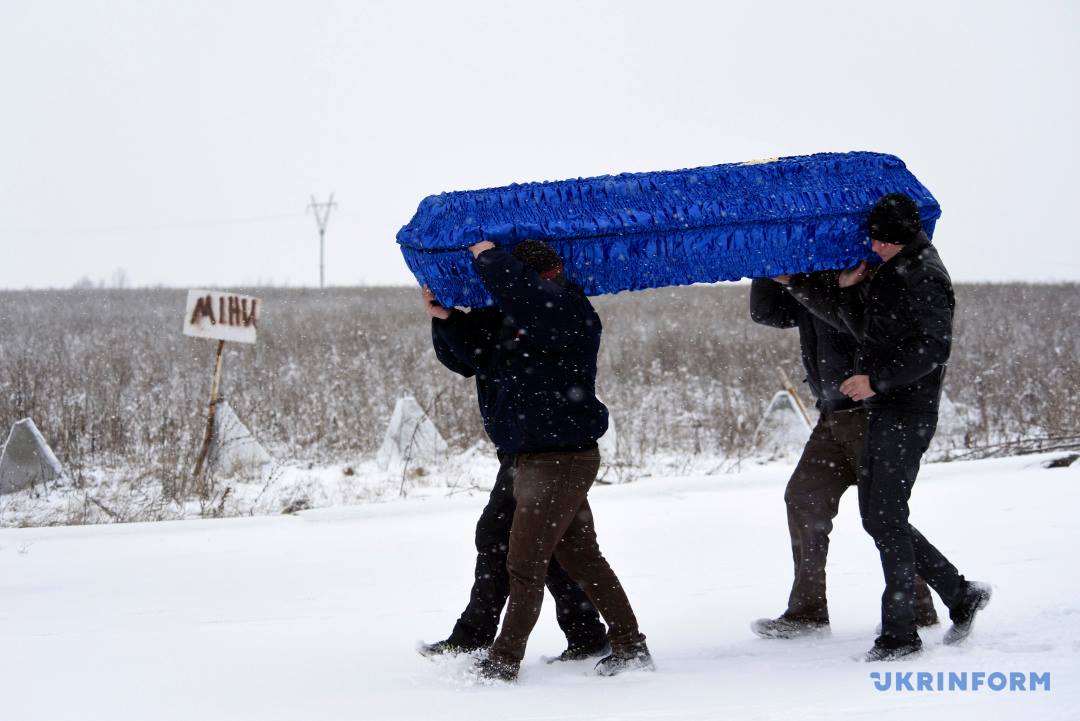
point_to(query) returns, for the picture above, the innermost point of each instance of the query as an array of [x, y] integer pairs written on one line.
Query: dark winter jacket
[[828, 354], [533, 355], [902, 317]]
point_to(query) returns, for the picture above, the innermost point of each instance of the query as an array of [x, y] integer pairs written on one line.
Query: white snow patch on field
[[316, 616]]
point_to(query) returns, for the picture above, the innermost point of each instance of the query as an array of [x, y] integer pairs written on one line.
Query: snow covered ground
[[316, 616]]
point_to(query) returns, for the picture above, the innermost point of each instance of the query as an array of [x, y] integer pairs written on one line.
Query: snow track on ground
[[317, 616]]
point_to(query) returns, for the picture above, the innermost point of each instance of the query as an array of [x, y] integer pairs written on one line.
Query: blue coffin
[[650, 230]]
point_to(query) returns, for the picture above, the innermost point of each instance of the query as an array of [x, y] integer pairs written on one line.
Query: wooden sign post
[[790, 388], [223, 317]]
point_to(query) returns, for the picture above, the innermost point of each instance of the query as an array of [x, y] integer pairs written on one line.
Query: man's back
[[828, 353], [534, 356]]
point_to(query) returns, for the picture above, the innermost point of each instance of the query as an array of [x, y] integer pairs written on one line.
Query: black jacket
[[533, 355], [903, 318], [828, 354]]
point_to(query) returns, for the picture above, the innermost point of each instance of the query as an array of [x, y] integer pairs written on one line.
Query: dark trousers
[[479, 623], [828, 467], [553, 518], [895, 444]]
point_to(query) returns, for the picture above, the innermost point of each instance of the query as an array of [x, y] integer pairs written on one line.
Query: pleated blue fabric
[[657, 229]]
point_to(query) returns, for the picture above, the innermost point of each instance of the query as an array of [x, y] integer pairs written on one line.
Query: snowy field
[[316, 616]]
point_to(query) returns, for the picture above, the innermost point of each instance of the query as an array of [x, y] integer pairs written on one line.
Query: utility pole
[[322, 217]]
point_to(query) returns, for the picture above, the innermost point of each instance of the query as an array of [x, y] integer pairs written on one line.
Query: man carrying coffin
[[829, 464], [903, 320], [533, 355]]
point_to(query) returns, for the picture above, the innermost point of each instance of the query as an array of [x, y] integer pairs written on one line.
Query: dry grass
[[110, 380]]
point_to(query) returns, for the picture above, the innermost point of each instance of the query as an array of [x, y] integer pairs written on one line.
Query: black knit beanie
[[539, 256], [895, 219]]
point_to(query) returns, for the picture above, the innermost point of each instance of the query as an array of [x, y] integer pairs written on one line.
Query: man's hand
[[853, 276], [480, 247], [783, 279], [433, 308], [857, 388]]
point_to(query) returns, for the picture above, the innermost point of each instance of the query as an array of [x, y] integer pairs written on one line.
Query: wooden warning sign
[[221, 316]]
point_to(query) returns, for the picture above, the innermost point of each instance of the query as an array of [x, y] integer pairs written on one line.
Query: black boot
[[886, 649], [491, 668], [635, 658], [579, 651], [976, 598], [790, 627], [449, 647]]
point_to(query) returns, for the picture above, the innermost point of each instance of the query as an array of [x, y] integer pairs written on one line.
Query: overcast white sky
[[181, 140]]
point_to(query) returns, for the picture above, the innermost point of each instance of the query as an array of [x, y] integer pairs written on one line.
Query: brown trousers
[[553, 518], [829, 466]]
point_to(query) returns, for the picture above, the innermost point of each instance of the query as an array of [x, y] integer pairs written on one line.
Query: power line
[[322, 217], [157, 227]]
